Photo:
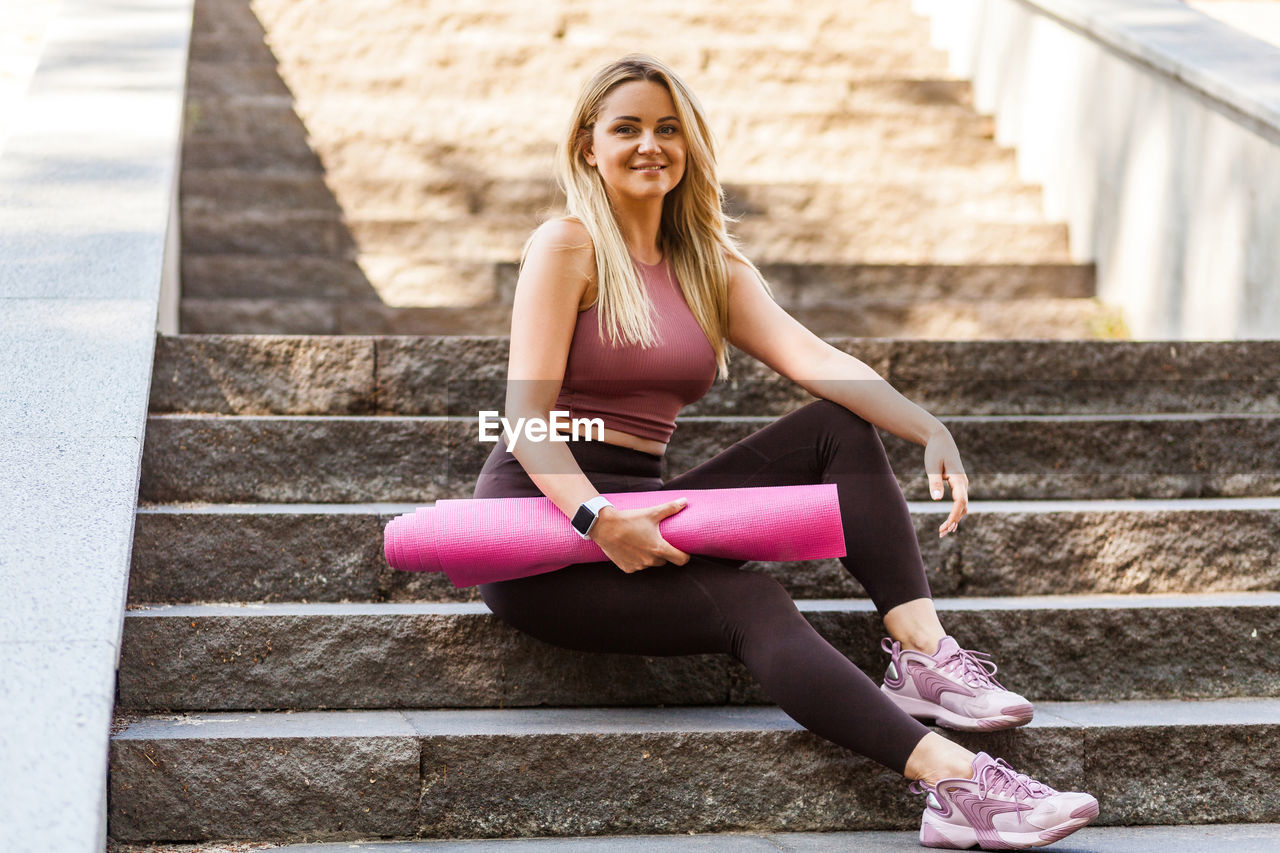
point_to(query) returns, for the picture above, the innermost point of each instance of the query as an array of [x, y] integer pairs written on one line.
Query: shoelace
[[1004, 780], [1001, 779], [974, 668], [1007, 778]]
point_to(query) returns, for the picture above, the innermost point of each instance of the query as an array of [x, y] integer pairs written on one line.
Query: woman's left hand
[[942, 464]]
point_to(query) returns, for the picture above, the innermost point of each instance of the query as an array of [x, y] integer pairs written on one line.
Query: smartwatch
[[585, 518]]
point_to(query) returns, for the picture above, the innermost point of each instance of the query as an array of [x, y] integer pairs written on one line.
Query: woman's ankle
[[935, 758], [925, 642], [915, 625]]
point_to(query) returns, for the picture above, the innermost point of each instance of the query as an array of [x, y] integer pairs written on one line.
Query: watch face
[[583, 519]]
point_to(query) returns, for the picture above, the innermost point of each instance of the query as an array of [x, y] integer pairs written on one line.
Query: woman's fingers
[[674, 554], [643, 547], [959, 504], [662, 511], [668, 552], [935, 486], [942, 464]]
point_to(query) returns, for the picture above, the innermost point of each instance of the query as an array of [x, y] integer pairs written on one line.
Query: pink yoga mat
[[492, 539]]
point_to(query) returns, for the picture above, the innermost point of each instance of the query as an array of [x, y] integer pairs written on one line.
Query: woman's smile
[[637, 135]]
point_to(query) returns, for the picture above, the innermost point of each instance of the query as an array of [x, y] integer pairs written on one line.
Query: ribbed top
[[632, 389]]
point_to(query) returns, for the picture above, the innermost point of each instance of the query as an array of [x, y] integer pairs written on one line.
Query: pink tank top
[[632, 389]]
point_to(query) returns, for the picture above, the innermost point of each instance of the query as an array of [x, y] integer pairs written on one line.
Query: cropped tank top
[[633, 389]]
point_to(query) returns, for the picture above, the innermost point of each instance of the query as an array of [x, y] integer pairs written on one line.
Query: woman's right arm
[[558, 268]]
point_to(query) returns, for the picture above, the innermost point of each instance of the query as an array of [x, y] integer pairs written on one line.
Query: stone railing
[[1155, 131], [88, 178]]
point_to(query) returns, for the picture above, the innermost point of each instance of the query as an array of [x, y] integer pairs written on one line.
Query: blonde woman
[[623, 312]]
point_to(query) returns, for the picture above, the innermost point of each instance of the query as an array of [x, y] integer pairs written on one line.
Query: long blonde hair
[[692, 233]]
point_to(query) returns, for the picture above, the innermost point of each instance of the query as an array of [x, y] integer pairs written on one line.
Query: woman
[[623, 311]]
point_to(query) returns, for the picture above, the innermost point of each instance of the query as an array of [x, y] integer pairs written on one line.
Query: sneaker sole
[[922, 709], [940, 835]]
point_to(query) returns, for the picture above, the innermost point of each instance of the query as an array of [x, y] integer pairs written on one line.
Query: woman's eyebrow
[[637, 118]]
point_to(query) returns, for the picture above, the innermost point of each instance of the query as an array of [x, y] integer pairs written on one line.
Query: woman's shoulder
[[737, 270], [563, 253], [564, 234]]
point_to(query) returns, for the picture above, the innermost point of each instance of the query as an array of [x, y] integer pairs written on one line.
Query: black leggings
[[716, 606]]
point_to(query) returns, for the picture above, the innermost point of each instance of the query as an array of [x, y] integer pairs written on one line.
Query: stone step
[[1194, 838], [691, 38], [981, 319], [271, 120], [212, 190], [459, 655], [507, 16], [321, 233], [794, 285], [319, 375], [686, 39], [892, 77], [329, 317], [333, 552], [497, 62], [228, 43], [787, 131], [299, 458], [760, 23], [390, 108], [891, 237], [961, 160], [249, 136], [971, 319], [493, 773], [311, 276], [228, 191]]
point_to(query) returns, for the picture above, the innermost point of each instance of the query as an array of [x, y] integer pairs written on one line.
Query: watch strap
[[585, 518]]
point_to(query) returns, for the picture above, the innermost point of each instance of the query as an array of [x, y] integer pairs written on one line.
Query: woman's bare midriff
[[634, 442]]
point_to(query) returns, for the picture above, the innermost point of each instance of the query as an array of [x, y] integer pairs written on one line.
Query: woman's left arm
[[761, 328]]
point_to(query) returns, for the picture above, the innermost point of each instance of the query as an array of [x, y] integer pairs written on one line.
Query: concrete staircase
[[361, 170], [278, 682]]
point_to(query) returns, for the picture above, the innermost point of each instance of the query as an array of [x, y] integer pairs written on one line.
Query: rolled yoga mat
[[483, 540]]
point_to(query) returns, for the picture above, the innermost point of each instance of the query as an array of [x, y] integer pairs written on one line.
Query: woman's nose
[[648, 141]]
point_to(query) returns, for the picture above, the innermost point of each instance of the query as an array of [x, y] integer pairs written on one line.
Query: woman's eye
[[673, 130]]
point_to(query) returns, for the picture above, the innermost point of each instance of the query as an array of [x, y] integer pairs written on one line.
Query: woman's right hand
[[631, 539]]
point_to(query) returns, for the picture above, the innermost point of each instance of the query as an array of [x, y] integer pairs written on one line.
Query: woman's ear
[[584, 145]]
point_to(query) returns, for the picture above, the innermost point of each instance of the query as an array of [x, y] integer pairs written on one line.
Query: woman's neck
[[641, 226]]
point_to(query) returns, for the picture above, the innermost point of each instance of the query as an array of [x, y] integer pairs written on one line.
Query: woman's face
[[637, 143]]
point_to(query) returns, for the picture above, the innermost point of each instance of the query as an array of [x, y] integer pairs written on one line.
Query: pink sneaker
[[952, 686], [999, 809]]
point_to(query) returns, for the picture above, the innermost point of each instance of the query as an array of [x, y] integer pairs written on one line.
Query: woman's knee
[[840, 432], [836, 418]]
